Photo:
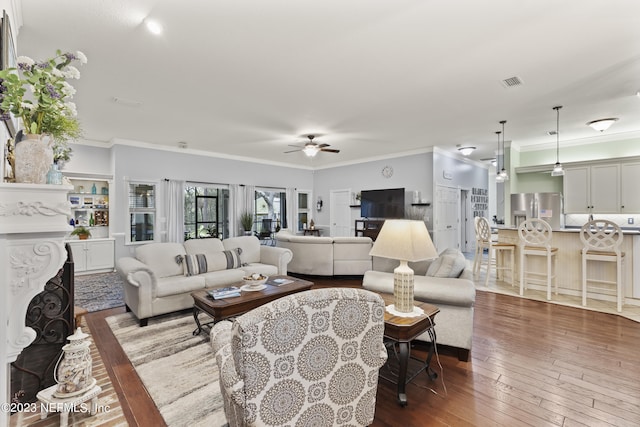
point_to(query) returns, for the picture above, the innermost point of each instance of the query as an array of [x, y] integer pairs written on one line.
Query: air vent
[[512, 81]]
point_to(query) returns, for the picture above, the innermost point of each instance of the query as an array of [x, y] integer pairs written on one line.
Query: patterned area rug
[[177, 368], [95, 292]]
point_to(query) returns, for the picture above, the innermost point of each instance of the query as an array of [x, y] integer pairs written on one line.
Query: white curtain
[[292, 209], [236, 204], [249, 198], [174, 210]]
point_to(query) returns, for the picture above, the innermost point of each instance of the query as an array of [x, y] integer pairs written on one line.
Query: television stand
[[368, 228]]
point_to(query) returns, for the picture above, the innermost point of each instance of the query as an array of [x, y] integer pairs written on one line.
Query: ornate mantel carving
[[33, 224]]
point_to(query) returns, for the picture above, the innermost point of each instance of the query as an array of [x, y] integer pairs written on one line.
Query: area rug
[[95, 292], [177, 368]]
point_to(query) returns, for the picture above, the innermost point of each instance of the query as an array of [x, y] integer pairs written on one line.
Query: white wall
[[409, 172]]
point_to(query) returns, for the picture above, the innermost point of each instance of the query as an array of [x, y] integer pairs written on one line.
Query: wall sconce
[[319, 204]]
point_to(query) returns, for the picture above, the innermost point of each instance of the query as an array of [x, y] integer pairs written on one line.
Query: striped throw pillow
[[233, 258], [194, 264]]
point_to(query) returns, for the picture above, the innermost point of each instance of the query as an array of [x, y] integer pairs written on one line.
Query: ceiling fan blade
[[323, 145], [329, 150], [292, 151]]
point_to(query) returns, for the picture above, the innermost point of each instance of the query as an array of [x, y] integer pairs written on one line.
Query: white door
[[340, 213], [447, 218], [467, 230]]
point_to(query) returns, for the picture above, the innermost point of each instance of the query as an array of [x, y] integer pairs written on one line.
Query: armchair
[[310, 358]]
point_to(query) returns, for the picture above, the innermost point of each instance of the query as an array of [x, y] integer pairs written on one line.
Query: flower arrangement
[[38, 93]]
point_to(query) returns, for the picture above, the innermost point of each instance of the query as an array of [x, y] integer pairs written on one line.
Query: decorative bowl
[[255, 280]]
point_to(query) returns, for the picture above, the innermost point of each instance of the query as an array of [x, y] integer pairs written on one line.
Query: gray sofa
[[156, 281], [455, 296], [327, 256]]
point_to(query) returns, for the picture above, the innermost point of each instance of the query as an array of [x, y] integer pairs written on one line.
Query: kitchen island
[[569, 264]]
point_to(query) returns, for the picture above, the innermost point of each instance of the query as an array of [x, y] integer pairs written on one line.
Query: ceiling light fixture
[[499, 177], [602, 124], [466, 150], [311, 150], [503, 172], [154, 27], [557, 168]]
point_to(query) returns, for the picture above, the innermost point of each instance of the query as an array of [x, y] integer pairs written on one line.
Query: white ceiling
[[372, 77]]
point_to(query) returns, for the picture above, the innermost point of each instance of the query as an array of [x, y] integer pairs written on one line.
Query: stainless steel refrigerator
[[546, 206]]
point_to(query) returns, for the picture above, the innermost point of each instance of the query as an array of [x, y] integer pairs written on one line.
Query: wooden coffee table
[[220, 309], [403, 330]]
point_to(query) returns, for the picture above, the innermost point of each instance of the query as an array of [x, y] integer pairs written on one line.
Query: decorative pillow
[[194, 264], [233, 258], [449, 264]]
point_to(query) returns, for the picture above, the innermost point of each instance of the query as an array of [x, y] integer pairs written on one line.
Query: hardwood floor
[[532, 363]]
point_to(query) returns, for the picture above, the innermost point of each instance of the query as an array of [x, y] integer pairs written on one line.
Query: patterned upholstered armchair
[[310, 358]]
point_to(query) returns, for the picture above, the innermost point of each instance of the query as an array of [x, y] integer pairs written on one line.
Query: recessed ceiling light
[[154, 27]]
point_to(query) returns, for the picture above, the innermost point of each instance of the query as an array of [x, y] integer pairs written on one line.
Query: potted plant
[[246, 220], [38, 94], [82, 232]]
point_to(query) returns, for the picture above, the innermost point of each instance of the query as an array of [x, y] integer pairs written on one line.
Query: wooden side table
[[50, 403], [403, 330], [311, 232]]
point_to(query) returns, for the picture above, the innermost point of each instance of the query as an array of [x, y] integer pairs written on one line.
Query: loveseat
[[446, 282], [327, 256], [161, 276]]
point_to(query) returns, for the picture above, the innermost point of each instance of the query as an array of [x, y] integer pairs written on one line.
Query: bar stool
[[535, 240], [602, 239], [483, 233]]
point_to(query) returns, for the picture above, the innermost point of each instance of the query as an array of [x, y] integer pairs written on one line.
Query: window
[[304, 211], [270, 208], [142, 212], [206, 212]]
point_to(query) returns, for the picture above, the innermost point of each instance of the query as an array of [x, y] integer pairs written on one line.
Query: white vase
[[34, 157]]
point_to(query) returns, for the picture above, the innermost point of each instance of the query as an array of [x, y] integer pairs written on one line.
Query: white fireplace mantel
[[33, 224]]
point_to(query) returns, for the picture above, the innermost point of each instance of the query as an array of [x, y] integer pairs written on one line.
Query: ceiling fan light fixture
[[602, 124], [466, 150], [310, 150]]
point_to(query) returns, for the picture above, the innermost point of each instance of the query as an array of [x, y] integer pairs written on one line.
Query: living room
[[419, 160]]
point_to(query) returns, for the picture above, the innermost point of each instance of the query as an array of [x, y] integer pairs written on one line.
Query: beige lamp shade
[[404, 240]]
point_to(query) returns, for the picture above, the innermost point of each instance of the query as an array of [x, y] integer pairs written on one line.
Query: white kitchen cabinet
[[592, 189], [605, 189], [93, 255], [629, 179], [576, 190]]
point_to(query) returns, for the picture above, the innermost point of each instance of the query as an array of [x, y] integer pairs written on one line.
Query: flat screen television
[[387, 203]]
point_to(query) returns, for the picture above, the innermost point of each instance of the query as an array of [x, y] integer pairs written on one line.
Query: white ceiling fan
[[312, 148]]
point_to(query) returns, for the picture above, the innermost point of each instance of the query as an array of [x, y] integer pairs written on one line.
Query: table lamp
[[404, 240]]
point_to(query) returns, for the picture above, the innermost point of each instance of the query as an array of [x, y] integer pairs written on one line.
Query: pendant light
[[503, 172], [499, 177], [557, 168]]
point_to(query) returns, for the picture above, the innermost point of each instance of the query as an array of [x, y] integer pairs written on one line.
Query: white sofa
[[454, 296], [156, 282], [327, 256]]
